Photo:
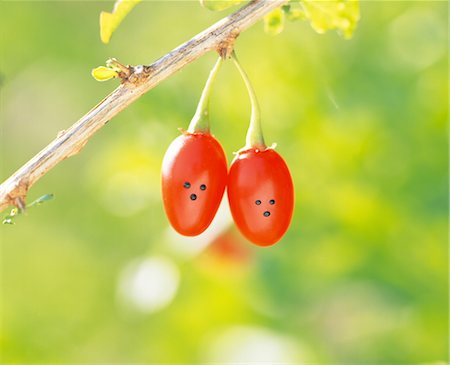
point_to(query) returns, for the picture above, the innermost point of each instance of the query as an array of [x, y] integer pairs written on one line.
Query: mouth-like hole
[[266, 213], [193, 197]]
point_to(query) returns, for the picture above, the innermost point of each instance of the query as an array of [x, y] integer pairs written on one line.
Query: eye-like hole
[[266, 213], [271, 201], [193, 197], [202, 187], [187, 185], [258, 202]]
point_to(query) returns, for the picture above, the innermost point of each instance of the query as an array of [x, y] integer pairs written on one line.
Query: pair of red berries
[[195, 175]]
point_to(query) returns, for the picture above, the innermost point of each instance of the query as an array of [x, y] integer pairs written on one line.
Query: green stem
[[254, 138], [200, 121]]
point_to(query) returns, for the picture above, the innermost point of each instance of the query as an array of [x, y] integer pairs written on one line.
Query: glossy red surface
[[261, 195], [194, 175]]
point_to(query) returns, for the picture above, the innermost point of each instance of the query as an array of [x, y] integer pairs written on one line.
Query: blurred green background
[[361, 276]]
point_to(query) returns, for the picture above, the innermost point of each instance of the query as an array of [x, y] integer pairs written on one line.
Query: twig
[[135, 82]]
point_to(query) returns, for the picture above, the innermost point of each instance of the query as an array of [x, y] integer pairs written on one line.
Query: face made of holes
[[266, 213], [193, 196], [261, 207], [194, 175], [194, 200]]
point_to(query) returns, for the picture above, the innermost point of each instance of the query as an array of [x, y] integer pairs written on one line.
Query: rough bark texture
[[135, 82]]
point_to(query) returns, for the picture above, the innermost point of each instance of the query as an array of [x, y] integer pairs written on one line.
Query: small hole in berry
[[258, 202], [271, 201], [193, 197], [187, 185], [202, 187], [266, 213]]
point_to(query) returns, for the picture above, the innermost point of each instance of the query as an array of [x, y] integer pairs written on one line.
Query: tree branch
[[135, 82]]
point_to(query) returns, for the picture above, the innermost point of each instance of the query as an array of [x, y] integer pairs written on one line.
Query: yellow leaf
[[274, 22], [110, 21], [103, 73], [342, 15], [295, 14]]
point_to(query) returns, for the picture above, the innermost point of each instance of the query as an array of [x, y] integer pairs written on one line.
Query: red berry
[[261, 195], [194, 175]]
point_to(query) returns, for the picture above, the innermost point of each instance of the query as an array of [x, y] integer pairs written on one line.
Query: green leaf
[[9, 219], [40, 200], [219, 5], [342, 15], [110, 21], [274, 22], [103, 73]]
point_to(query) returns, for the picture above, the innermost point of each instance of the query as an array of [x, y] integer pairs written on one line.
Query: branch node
[[149, 69], [123, 71], [226, 46], [19, 202], [139, 74], [17, 196]]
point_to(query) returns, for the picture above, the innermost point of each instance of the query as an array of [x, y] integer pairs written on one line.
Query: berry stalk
[[200, 121], [254, 138]]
